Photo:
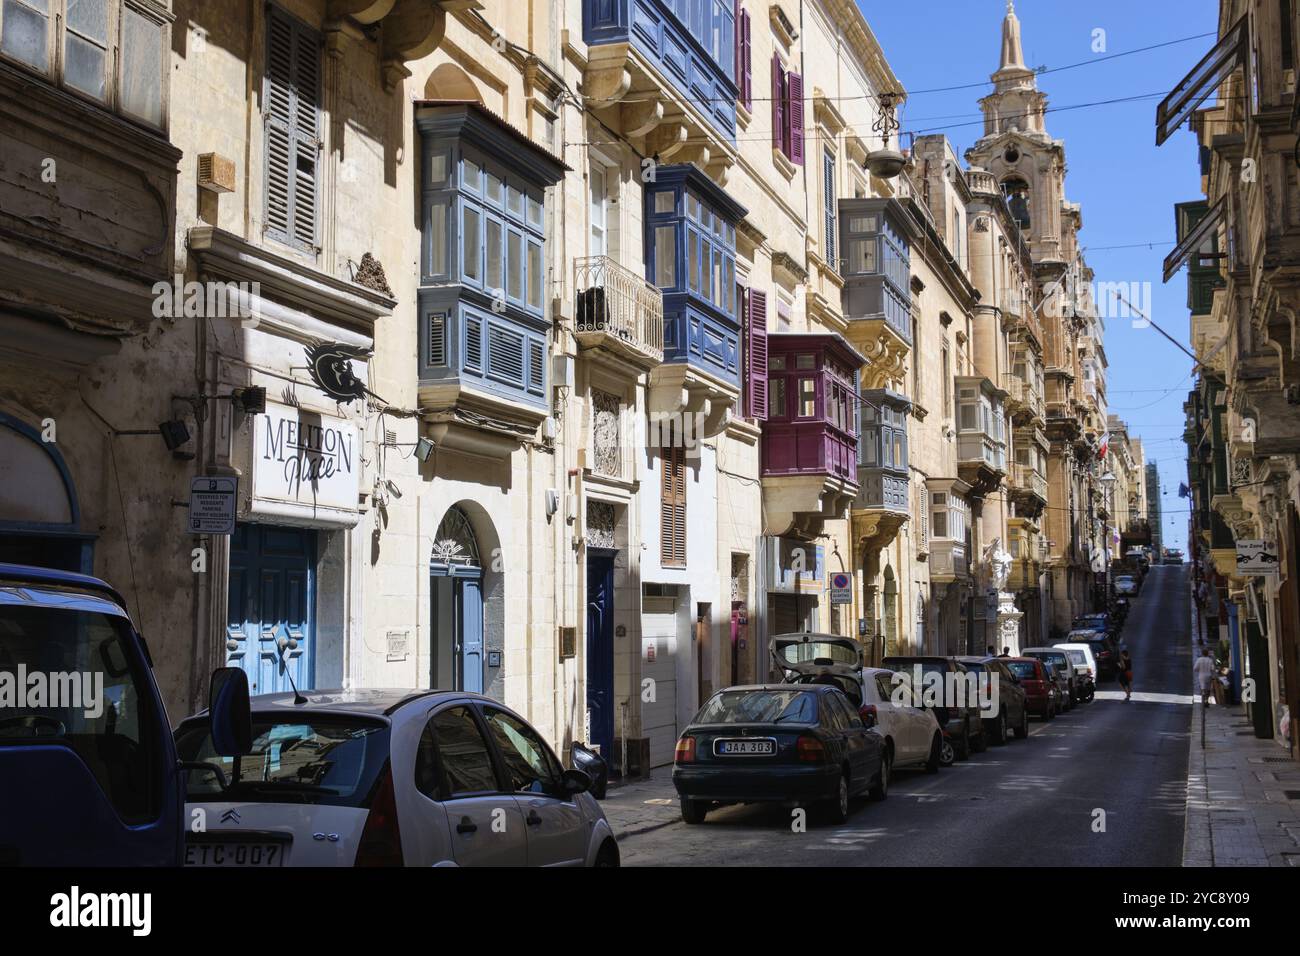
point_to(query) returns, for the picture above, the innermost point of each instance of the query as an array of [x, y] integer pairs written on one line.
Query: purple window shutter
[[757, 335], [794, 112], [778, 97], [746, 66]]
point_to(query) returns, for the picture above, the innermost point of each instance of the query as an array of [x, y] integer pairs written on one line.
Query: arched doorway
[[891, 612], [40, 520], [456, 606]]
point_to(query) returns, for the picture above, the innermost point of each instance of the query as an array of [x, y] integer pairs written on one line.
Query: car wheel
[[1051, 712], [836, 811], [963, 748], [881, 789], [608, 855], [947, 754], [1023, 730], [1002, 736], [694, 811], [936, 754]]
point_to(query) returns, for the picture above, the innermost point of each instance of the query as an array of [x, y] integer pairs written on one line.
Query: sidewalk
[[1238, 810], [642, 805]]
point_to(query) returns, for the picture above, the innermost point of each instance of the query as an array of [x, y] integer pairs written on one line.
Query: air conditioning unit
[[216, 173]]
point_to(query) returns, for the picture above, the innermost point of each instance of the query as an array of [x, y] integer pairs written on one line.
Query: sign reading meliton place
[[306, 457]]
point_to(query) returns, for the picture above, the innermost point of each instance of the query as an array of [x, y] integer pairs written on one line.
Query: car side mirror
[[230, 713], [593, 765], [868, 716], [574, 782]]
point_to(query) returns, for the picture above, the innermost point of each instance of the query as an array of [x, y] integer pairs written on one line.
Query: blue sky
[[1126, 185]]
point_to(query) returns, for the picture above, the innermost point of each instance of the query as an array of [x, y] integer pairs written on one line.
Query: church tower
[[1026, 162]]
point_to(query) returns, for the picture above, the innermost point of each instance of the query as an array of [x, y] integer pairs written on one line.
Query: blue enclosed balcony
[[483, 326], [690, 241], [665, 70]]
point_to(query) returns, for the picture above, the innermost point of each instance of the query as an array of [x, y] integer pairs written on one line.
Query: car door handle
[[533, 819], [466, 825]]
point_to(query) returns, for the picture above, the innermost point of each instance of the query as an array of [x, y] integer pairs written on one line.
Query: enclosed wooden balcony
[[810, 443]]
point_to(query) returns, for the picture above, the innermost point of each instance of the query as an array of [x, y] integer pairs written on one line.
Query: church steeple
[[1012, 55]]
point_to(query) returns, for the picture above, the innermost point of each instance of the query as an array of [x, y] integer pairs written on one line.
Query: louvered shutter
[[828, 192], [745, 68], [292, 112], [794, 118], [672, 520], [756, 338], [778, 104]]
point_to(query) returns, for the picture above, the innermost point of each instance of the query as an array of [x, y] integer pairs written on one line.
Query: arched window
[[1016, 191], [454, 545]]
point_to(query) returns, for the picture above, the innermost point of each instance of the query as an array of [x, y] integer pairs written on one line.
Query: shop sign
[[306, 457]]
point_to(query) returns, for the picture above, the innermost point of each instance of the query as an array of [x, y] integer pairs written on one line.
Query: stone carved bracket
[[607, 78]]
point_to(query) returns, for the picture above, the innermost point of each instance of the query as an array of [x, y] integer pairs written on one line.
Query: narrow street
[[1029, 803]]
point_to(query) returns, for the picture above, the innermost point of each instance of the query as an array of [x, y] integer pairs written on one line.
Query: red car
[[1041, 693]]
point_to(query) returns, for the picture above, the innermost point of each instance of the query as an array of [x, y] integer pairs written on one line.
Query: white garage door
[[659, 663]]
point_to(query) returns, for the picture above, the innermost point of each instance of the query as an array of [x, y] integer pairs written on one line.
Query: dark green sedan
[[778, 743]]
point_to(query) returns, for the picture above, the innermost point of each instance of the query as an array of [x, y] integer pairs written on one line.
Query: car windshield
[[1023, 669], [811, 651], [68, 678], [326, 759], [759, 707], [1076, 655]]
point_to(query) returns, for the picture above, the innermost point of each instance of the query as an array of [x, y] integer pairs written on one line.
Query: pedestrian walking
[[1203, 674], [1126, 673]]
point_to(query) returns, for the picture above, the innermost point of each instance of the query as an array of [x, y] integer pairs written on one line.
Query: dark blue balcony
[[690, 44], [691, 257]]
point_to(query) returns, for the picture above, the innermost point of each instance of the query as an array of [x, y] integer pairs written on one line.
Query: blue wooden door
[[270, 629], [470, 605], [600, 651]]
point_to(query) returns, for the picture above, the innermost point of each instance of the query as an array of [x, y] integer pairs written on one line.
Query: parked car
[[912, 734], [1042, 694], [807, 657], [89, 785], [779, 743], [1085, 666], [1008, 712], [1101, 621], [962, 720], [1066, 682], [1105, 650], [389, 778], [1126, 585]]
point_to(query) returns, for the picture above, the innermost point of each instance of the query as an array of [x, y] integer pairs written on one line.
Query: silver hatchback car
[[389, 778]]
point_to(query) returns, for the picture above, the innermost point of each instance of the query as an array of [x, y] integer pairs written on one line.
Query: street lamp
[[886, 163]]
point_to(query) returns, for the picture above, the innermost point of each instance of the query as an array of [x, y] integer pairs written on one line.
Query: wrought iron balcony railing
[[616, 306]]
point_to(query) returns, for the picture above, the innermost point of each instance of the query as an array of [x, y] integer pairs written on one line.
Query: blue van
[[88, 769]]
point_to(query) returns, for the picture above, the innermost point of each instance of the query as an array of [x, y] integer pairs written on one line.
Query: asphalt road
[[1030, 802]]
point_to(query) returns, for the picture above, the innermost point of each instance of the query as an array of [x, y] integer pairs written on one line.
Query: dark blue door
[[270, 629], [600, 650]]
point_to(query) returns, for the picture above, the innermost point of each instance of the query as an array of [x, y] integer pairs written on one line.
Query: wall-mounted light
[[174, 433], [423, 449], [886, 162]]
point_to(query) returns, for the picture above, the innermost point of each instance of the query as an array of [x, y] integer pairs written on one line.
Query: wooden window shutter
[[828, 191], [794, 118], [756, 338], [292, 122], [778, 105], [744, 57], [672, 512]]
